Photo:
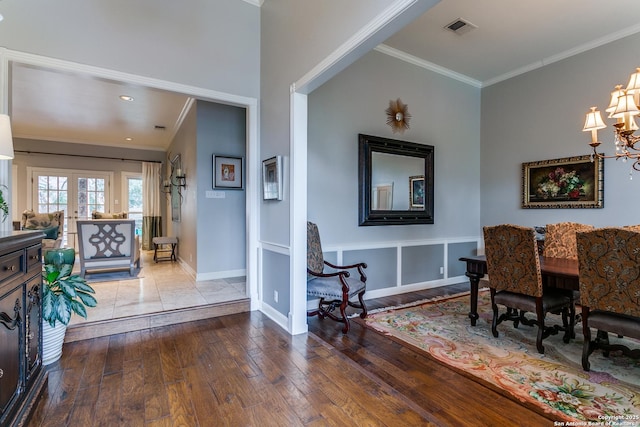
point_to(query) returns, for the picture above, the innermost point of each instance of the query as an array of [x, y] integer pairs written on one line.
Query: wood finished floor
[[243, 370]]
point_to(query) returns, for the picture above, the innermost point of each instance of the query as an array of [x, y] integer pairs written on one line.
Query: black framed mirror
[[395, 181]]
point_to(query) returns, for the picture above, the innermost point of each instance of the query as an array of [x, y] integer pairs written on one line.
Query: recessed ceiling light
[[126, 97], [128, 138]]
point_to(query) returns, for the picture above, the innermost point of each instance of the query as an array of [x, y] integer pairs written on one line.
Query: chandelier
[[624, 107]]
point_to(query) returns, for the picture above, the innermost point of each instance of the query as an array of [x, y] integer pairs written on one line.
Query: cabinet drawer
[[34, 258], [11, 265]]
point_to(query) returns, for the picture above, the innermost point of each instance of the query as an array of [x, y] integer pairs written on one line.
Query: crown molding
[[403, 56], [255, 2], [566, 54]]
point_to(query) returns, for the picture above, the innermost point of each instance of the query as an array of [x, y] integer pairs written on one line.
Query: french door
[[77, 193]]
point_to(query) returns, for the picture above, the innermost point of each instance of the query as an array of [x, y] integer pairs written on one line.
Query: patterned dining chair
[[335, 289], [516, 283], [609, 263], [560, 239]]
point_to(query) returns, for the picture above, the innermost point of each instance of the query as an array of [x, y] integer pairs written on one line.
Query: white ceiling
[[511, 37]]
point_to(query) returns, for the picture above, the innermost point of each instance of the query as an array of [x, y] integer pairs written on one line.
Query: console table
[[22, 377], [556, 273]]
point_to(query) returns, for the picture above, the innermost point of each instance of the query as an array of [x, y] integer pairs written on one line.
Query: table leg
[[474, 279]]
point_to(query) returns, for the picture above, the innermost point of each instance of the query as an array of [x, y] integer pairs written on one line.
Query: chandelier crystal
[[624, 106]]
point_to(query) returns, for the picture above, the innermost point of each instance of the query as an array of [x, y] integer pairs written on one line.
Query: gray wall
[[221, 221], [211, 231], [539, 116], [354, 102]]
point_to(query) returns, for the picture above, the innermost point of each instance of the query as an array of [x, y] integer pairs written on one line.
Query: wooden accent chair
[[609, 262], [516, 283], [336, 288], [560, 239]]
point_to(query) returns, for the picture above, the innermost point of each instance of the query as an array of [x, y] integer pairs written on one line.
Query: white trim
[[124, 190], [273, 314], [297, 319], [397, 244], [220, 274], [564, 55], [255, 2], [403, 56], [333, 63]]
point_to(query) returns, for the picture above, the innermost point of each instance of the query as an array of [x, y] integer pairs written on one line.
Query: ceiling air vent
[[159, 127], [460, 26]]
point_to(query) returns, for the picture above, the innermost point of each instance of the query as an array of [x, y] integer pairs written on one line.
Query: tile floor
[[159, 287]]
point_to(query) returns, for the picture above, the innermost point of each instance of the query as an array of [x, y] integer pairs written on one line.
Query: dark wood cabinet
[[22, 376]]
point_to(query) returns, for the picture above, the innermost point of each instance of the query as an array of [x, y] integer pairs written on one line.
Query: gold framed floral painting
[[570, 182]]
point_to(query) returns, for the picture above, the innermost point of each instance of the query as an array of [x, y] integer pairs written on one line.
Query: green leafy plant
[[4, 206], [64, 293]]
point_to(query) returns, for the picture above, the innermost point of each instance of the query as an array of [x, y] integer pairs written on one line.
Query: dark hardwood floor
[[243, 370]]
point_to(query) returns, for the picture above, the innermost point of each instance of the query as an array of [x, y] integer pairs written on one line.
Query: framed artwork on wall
[[227, 172], [272, 178], [570, 182], [416, 192]]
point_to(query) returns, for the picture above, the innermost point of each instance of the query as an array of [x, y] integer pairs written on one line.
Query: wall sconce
[[177, 179]]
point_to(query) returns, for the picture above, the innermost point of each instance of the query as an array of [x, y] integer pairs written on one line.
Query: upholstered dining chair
[[609, 274], [560, 239], [336, 288], [516, 283]]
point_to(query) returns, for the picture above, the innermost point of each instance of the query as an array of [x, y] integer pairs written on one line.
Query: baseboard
[[88, 330]]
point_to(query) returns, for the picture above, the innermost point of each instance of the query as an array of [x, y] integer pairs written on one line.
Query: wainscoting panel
[[457, 251], [382, 265], [422, 263], [398, 267]]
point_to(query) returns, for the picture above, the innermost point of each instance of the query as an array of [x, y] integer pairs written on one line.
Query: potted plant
[[4, 205], [63, 294]]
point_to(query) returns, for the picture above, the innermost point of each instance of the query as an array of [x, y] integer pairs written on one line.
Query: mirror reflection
[[389, 171]]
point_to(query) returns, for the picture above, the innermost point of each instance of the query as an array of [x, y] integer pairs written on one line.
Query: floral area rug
[[553, 384]]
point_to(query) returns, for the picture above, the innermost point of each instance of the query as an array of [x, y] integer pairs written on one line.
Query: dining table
[[559, 273]]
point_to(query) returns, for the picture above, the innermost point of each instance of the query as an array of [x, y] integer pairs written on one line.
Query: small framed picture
[[272, 178], [227, 172], [416, 192]]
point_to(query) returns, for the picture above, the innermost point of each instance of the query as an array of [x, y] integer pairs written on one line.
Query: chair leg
[[363, 314], [344, 319], [494, 321], [586, 346], [540, 321]]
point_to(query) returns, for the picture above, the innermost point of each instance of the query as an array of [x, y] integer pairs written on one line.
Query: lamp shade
[[593, 120], [6, 139], [614, 99], [626, 105], [634, 82]]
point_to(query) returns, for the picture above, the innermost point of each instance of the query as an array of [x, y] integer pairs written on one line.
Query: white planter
[[52, 340]]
